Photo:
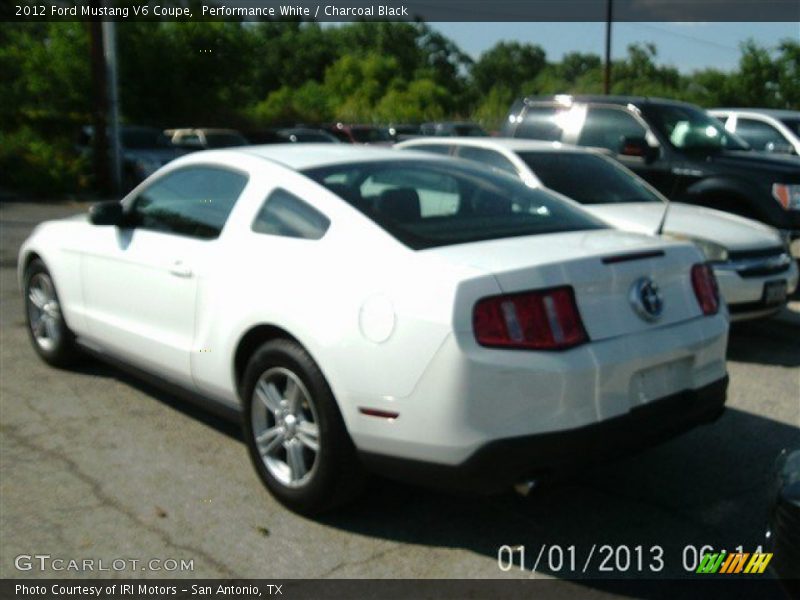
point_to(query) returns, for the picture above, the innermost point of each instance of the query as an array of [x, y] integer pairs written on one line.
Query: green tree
[[577, 65], [509, 65], [788, 63], [422, 100], [639, 74], [356, 84], [44, 98], [45, 69], [494, 107], [184, 73], [757, 83]]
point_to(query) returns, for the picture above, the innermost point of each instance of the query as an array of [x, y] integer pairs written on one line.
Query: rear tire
[[48, 330], [294, 431]]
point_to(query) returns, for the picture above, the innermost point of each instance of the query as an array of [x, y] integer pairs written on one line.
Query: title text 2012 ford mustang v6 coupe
[[368, 309]]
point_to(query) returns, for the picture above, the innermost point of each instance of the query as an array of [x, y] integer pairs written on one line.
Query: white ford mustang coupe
[[368, 309]]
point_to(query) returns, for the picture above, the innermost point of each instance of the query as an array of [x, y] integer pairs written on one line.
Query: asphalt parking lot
[[97, 465]]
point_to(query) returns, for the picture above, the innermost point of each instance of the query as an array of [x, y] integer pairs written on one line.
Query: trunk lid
[[603, 268]]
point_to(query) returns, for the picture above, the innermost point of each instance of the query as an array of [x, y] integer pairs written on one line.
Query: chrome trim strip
[[781, 261]]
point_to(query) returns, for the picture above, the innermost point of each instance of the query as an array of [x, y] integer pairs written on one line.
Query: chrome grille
[[757, 263]]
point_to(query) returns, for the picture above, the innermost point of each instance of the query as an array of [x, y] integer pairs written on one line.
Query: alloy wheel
[[44, 312], [285, 427]]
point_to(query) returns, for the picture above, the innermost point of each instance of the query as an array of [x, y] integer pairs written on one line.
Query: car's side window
[[758, 134], [287, 215], [606, 128], [541, 123], [489, 158], [193, 201]]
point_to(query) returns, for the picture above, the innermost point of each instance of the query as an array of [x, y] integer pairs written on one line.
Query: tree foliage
[[252, 75]]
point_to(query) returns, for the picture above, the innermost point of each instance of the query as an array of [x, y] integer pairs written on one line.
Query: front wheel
[[51, 337], [295, 434]]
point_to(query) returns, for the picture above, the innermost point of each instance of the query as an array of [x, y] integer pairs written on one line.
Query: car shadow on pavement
[[190, 405], [773, 341], [711, 486]]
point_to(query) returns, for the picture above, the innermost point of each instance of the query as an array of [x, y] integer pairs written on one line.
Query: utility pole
[[110, 48], [99, 109], [607, 73]]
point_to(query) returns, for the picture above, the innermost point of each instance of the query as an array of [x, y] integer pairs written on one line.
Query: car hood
[[779, 165], [731, 231]]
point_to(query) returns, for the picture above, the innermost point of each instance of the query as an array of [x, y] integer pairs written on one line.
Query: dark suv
[[677, 147], [144, 150]]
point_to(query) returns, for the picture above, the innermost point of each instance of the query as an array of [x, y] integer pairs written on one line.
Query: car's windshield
[[688, 128], [793, 125], [437, 203], [601, 180], [370, 134]]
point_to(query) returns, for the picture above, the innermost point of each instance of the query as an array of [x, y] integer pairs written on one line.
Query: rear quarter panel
[[371, 312]]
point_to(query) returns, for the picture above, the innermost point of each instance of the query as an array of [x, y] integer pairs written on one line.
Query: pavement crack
[[108, 501], [341, 565]]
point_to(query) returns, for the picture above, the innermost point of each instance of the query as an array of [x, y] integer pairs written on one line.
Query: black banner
[[729, 588], [403, 10]]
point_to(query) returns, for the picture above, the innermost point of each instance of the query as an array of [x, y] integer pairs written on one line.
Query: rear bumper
[[502, 463], [470, 396]]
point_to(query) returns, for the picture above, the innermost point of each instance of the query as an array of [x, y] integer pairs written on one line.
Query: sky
[[687, 46]]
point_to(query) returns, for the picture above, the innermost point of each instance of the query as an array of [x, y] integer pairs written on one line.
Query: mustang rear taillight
[[705, 288], [538, 320]]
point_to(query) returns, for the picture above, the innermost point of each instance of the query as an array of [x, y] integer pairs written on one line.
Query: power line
[[683, 36]]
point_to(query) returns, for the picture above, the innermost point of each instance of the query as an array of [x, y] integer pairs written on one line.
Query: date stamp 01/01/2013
[[608, 559]]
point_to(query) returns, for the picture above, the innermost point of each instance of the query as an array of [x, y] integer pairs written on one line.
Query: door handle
[[180, 269]]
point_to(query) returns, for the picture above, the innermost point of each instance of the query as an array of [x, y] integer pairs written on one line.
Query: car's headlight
[[713, 252], [787, 195]]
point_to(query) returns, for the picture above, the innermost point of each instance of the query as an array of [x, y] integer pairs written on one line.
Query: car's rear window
[[793, 124], [601, 180], [366, 135], [442, 202]]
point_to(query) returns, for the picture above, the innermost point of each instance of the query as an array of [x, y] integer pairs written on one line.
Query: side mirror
[[107, 213], [638, 146]]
